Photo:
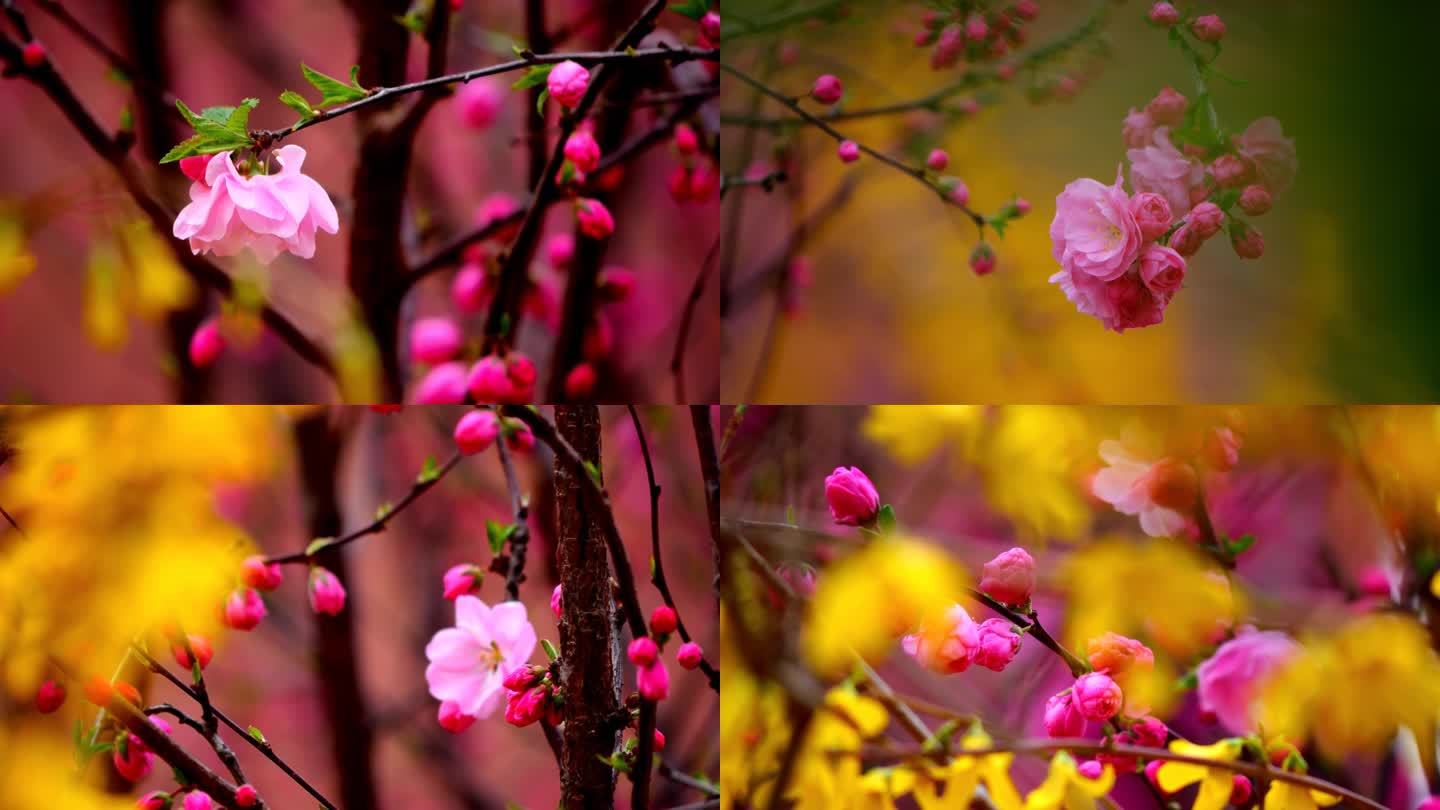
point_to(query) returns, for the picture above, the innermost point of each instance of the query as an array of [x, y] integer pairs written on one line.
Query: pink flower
[[198, 800], [1152, 214], [1206, 219], [560, 250], [257, 574], [476, 431], [1062, 719], [527, 707], [434, 340], [827, 89], [582, 150], [594, 218], [1209, 28], [470, 289], [490, 380], [1093, 231], [244, 609], [1229, 171], [938, 160], [1247, 241], [996, 644], [469, 662], [947, 647], [849, 151], [154, 800], [663, 619], [852, 498], [643, 651], [442, 385], [567, 83], [1128, 485], [1118, 655], [652, 681], [1096, 696], [206, 343], [1010, 577], [1265, 146], [982, 259], [1137, 129], [580, 381], [1186, 240], [132, 760], [50, 697], [1230, 680], [1162, 270], [517, 435], [1255, 200], [689, 655], [478, 101], [1167, 108], [1164, 14], [327, 595], [246, 796], [268, 213], [556, 601], [462, 579], [1163, 169]]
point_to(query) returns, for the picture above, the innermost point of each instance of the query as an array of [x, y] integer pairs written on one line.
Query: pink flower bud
[[582, 150], [327, 595], [1097, 697], [685, 140], [517, 436], [206, 343], [246, 796], [1206, 219], [853, 500], [442, 385], [257, 574], [1185, 240], [956, 190], [521, 371], [522, 678], [154, 800], [198, 800], [1209, 28], [525, 708], [982, 259], [938, 160], [1152, 769], [452, 720], [659, 741], [827, 89], [594, 218], [1027, 10], [1241, 789], [849, 151], [997, 644], [1091, 768], [616, 284], [1010, 577], [33, 54], [1247, 241], [244, 609], [663, 620], [1022, 206], [1229, 171], [1152, 214], [470, 289], [643, 651], [478, 101], [1167, 108], [1162, 269], [689, 655], [476, 431], [194, 167], [464, 578], [1062, 719], [975, 28], [1150, 732], [50, 697], [948, 47], [434, 340], [1431, 803], [560, 250], [710, 26], [489, 381], [132, 761], [652, 681], [200, 645], [1255, 200], [1164, 14], [567, 83], [556, 602], [580, 382]]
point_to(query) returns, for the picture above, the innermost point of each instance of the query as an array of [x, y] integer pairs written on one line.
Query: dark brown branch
[[710, 471], [538, 40], [687, 317], [520, 538], [1031, 624], [222, 749], [455, 249], [141, 79]]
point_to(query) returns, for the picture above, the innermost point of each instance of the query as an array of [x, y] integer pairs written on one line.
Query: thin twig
[[520, 538], [682, 335]]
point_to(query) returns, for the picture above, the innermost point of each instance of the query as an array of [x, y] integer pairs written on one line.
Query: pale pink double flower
[[268, 213], [470, 661], [1131, 484]]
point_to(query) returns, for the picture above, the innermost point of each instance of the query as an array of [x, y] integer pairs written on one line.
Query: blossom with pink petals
[[327, 595], [1096, 696], [268, 213], [442, 385], [996, 644], [1229, 681], [1062, 718], [1152, 214], [568, 82], [1009, 577], [852, 498], [1129, 484], [1265, 146], [1159, 167], [1162, 269], [479, 101], [470, 661], [946, 646], [1094, 231]]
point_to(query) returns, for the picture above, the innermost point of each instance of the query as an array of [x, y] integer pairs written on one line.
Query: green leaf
[[195, 676], [615, 761], [257, 736], [298, 103], [429, 471], [318, 545], [540, 102], [534, 77], [332, 90], [498, 534], [413, 21], [550, 651], [694, 9], [885, 519], [594, 471], [186, 148], [1240, 544]]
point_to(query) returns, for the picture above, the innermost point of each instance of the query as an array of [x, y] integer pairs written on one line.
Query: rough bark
[[589, 644]]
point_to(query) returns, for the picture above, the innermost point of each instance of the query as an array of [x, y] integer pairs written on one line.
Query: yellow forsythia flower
[[1215, 783], [160, 286], [16, 261], [1288, 796], [965, 773], [866, 601], [1065, 787]]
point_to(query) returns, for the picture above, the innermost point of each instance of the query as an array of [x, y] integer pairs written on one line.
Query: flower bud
[[580, 382], [1118, 654], [521, 371], [99, 691], [1173, 484], [206, 344], [996, 644], [470, 289], [452, 720], [1152, 214], [853, 500], [524, 708], [1241, 789], [246, 796], [1096, 696], [976, 29], [616, 284], [710, 27], [938, 160], [560, 250], [1229, 171], [652, 681], [1247, 242], [327, 595], [442, 385], [659, 741], [198, 800], [1255, 200], [201, 647], [1209, 28], [583, 150], [594, 218], [849, 151], [258, 574], [244, 609], [556, 602], [1205, 218], [33, 54], [1164, 14], [1062, 719], [154, 800], [643, 651], [1152, 770], [132, 761], [50, 697], [1167, 108], [434, 340], [982, 259], [827, 89], [490, 380], [462, 579], [1185, 240], [567, 83], [478, 102], [663, 620], [685, 140], [522, 678], [689, 655], [1010, 577], [517, 435]]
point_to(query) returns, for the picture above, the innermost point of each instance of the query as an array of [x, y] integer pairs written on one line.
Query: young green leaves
[[333, 92], [534, 77], [217, 129]]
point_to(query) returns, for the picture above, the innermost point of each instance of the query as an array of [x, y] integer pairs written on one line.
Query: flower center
[[491, 657]]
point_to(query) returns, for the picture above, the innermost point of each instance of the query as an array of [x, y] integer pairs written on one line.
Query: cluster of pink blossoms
[[231, 210], [1123, 257], [977, 36], [1164, 491], [244, 608]]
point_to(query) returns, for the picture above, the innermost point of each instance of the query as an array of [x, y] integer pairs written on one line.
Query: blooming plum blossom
[[852, 498], [1010, 577], [268, 213], [1094, 231], [1096, 696], [1264, 145], [470, 661], [1159, 167], [567, 83], [1229, 681], [947, 646], [1131, 484]]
